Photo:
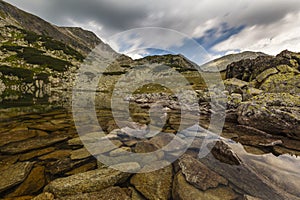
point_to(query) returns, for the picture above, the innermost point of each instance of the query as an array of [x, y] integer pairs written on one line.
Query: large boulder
[[154, 185], [251, 69], [86, 182], [274, 113]]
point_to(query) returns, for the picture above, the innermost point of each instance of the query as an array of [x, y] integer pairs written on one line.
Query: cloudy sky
[[220, 26]]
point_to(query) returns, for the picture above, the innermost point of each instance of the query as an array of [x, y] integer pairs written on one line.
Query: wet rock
[[258, 140], [47, 126], [33, 183], [154, 185], [224, 153], [64, 165], [86, 182], [182, 190], [87, 138], [14, 174], [120, 151], [278, 150], [198, 174], [84, 168], [244, 178], [127, 167], [15, 136], [291, 144], [145, 147], [36, 153], [80, 154], [33, 143], [44, 196], [115, 193], [163, 139], [248, 197], [56, 155]]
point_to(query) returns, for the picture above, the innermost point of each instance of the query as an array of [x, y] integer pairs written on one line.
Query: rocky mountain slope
[[79, 39], [37, 57], [221, 63]]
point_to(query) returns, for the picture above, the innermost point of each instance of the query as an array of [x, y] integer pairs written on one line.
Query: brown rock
[[13, 175], [182, 190], [86, 182], [15, 136], [84, 168], [56, 155], [80, 154], [36, 153], [44, 196], [113, 193], [33, 183], [64, 165], [154, 185], [33, 143]]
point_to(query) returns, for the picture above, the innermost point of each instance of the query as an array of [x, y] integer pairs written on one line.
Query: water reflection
[[45, 133]]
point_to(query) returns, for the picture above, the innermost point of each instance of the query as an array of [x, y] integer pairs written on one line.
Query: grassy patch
[[25, 74]]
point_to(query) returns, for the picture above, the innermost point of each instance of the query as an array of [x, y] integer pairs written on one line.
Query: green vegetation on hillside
[[25, 74]]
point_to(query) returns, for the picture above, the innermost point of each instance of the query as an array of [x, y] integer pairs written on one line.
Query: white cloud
[[271, 38]]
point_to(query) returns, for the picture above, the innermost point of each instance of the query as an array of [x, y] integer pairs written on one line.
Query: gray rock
[[274, 113], [225, 154], [198, 174], [235, 85]]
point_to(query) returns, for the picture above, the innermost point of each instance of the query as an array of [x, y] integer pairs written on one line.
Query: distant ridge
[[222, 62]]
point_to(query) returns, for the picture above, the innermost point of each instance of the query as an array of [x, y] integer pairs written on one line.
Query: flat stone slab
[[31, 144], [13, 175], [86, 182]]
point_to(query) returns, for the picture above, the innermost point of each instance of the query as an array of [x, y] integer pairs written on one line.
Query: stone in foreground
[[87, 182]]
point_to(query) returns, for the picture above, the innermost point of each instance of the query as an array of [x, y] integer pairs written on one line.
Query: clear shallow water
[[265, 171]]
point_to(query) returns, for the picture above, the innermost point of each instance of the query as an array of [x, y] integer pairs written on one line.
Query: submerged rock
[[115, 193], [14, 175], [31, 144], [33, 183]]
